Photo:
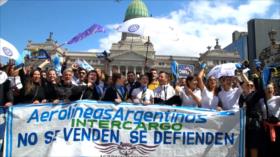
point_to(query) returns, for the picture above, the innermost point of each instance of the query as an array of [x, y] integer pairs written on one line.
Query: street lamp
[[147, 44]]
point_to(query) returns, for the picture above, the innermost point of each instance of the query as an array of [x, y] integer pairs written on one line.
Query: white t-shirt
[[164, 92], [229, 99], [187, 100], [273, 105], [208, 99], [15, 82], [139, 97]]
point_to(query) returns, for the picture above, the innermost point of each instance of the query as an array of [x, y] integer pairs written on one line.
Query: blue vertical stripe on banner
[[242, 132], [6, 134], [2, 128], [9, 139], [11, 130]]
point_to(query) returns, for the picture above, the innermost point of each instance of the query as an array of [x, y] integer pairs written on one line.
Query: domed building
[[137, 8], [131, 53]]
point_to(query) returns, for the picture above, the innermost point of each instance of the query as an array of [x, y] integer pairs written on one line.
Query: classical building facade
[[37, 50], [218, 56], [133, 52]]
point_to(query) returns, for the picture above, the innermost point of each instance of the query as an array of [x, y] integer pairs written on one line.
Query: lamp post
[[147, 44]]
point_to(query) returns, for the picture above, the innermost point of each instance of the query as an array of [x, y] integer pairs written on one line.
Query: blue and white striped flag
[[93, 29]]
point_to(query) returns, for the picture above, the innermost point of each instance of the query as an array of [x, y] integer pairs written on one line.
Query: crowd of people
[[34, 85]]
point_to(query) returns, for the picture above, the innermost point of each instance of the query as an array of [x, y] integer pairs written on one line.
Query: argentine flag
[[8, 50]]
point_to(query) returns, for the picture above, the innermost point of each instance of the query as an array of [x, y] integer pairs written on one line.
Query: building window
[[161, 63], [210, 62]]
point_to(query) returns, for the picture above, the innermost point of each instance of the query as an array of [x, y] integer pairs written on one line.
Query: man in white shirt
[[165, 91], [229, 96]]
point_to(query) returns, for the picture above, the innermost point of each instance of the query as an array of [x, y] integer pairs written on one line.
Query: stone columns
[[110, 70]]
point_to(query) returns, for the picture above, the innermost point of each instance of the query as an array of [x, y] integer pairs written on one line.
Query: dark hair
[[130, 72], [166, 73], [29, 83], [81, 69], [152, 69], [33, 71], [97, 76], [57, 77], [142, 75], [189, 79], [51, 70], [43, 71], [216, 90], [115, 77]]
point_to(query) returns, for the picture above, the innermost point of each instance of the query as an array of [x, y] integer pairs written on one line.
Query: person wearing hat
[[6, 93]]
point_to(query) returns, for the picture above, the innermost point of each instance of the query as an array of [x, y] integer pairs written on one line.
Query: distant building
[[270, 56], [218, 56], [37, 51], [239, 44], [257, 36]]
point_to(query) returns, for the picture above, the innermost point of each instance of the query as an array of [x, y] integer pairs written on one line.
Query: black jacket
[[6, 93], [91, 93], [111, 94], [69, 91], [36, 93], [253, 107]]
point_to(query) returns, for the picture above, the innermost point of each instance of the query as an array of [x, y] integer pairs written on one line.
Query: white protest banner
[[2, 127], [102, 129]]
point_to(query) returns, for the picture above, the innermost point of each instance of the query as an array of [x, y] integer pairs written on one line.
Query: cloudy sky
[[197, 23]]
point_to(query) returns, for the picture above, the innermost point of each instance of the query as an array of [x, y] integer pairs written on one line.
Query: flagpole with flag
[[174, 72], [95, 28], [8, 50]]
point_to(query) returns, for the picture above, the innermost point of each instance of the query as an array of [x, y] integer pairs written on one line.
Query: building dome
[[136, 8]]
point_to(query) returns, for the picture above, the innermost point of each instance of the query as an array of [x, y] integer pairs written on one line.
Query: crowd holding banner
[[193, 93], [92, 128], [200, 114]]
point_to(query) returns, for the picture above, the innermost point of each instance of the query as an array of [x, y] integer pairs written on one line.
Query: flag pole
[[59, 46], [147, 44]]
